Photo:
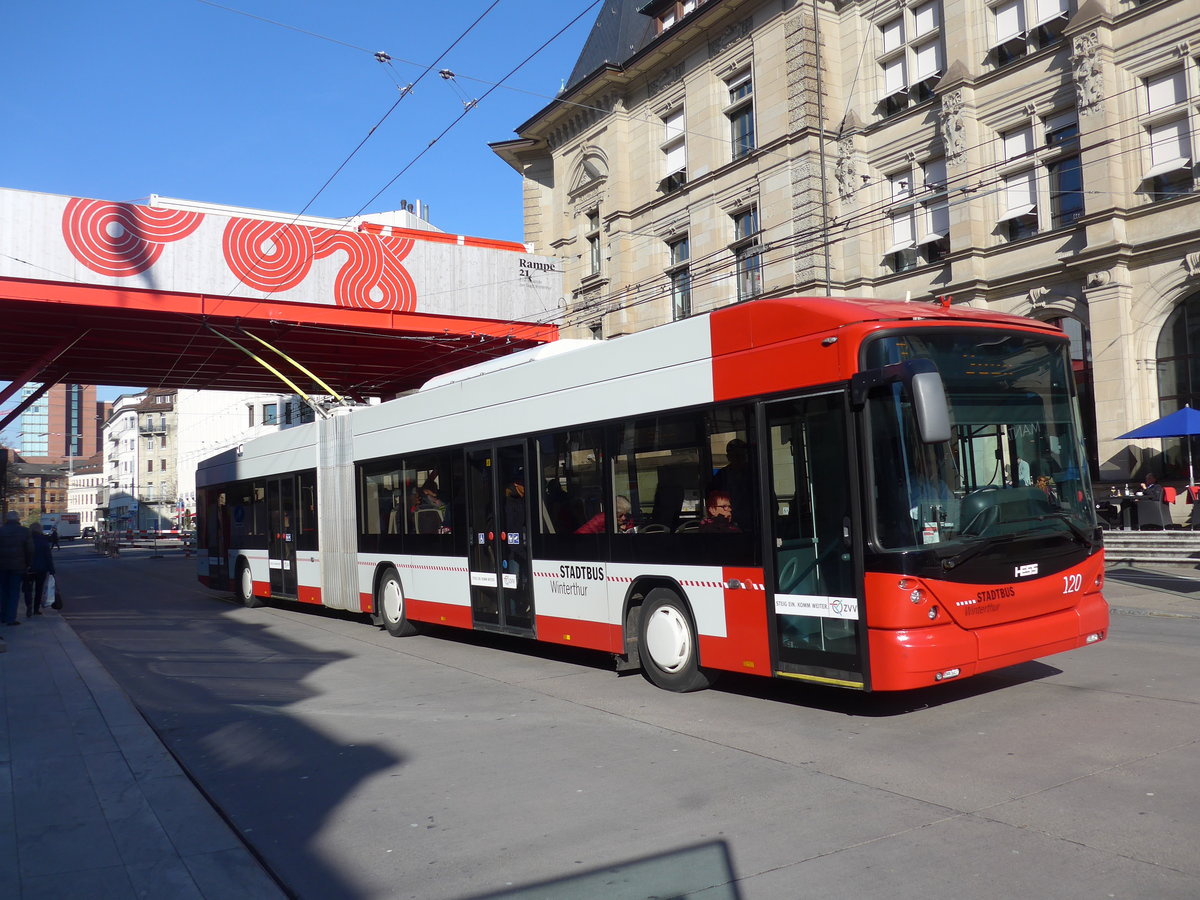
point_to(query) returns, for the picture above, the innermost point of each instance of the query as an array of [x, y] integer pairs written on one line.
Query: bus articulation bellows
[[868, 494]]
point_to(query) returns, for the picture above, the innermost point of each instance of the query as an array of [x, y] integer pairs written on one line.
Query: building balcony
[[153, 428]]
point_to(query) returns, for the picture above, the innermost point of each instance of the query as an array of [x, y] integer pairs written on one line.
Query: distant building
[[155, 439], [63, 424], [86, 493], [37, 488]]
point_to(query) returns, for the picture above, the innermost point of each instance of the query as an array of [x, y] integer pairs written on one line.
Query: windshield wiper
[[984, 543], [1083, 536]]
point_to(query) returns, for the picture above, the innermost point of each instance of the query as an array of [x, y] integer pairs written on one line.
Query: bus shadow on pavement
[[815, 696], [859, 704], [700, 870]]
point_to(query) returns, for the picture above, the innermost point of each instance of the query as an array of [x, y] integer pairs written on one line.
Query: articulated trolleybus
[[868, 494]]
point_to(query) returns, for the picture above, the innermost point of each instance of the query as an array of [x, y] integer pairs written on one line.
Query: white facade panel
[[187, 251]]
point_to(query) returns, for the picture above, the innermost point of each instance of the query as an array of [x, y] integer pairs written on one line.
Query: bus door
[[281, 539], [498, 527], [817, 622], [213, 535]]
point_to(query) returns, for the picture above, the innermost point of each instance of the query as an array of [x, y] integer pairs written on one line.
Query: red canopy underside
[[52, 332]]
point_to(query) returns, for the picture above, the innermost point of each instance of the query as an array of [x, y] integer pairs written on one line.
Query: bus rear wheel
[[245, 587], [389, 606], [667, 644]]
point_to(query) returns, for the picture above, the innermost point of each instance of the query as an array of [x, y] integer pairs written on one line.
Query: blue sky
[[206, 101], [187, 98]]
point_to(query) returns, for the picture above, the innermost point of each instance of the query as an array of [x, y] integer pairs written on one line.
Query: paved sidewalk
[[91, 803], [1153, 590]]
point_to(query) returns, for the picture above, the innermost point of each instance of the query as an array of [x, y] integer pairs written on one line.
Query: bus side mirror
[[929, 404], [924, 384]]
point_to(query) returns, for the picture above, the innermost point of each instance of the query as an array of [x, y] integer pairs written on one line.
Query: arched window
[[1179, 378], [1081, 366]]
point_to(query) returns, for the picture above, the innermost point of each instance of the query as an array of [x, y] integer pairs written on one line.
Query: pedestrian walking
[[16, 555], [54, 537], [41, 566]]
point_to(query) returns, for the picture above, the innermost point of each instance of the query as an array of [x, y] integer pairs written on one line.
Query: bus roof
[[778, 316]]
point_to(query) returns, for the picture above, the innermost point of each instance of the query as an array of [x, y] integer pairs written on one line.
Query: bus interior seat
[[668, 500], [427, 521]]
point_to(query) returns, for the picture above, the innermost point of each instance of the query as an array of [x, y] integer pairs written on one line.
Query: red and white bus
[[875, 495]]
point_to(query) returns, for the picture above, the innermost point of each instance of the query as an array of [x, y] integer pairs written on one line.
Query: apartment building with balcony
[[1028, 156]]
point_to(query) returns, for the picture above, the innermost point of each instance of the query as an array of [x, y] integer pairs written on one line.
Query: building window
[[910, 57], [1179, 381], [681, 278], [674, 12], [919, 228], [1030, 203], [1168, 136], [901, 255], [747, 253], [287, 413], [250, 411], [162, 465], [270, 414], [1066, 190], [149, 465], [740, 113], [674, 149], [592, 236], [1021, 27]]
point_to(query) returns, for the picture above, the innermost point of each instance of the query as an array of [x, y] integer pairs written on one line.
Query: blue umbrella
[[1181, 423]]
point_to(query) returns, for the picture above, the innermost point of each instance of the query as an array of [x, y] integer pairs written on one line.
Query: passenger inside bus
[[720, 514], [598, 523], [429, 513]]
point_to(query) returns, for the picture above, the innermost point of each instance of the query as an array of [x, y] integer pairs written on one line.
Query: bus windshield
[[1013, 465]]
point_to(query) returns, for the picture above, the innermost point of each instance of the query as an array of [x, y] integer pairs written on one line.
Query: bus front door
[[498, 519], [281, 543], [817, 621]]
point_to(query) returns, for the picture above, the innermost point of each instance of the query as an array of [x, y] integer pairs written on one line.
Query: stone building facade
[[1029, 156]]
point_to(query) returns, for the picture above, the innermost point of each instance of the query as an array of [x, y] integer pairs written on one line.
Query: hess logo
[[1027, 569]]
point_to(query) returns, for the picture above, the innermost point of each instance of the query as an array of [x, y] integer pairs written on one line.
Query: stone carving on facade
[[1098, 279], [1088, 73], [729, 37], [1037, 296], [954, 129], [844, 171], [588, 116], [666, 78], [1191, 262]]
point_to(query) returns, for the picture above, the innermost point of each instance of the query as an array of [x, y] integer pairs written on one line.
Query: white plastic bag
[[48, 597]]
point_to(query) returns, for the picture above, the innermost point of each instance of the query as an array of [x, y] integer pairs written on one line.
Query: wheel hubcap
[[247, 583], [393, 601], [669, 639]]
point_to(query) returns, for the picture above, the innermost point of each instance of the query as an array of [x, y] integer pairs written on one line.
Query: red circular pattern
[[120, 239], [268, 256]]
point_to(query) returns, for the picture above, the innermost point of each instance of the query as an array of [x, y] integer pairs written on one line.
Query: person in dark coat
[[41, 566], [16, 553]]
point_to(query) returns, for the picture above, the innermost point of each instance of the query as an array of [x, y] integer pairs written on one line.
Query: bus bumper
[[919, 657]]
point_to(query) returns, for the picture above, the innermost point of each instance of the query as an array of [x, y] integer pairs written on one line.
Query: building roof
[[619, 32]]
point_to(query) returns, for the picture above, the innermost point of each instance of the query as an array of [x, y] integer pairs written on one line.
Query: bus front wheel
[[667, 644], [245, 587], [389, 607]]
